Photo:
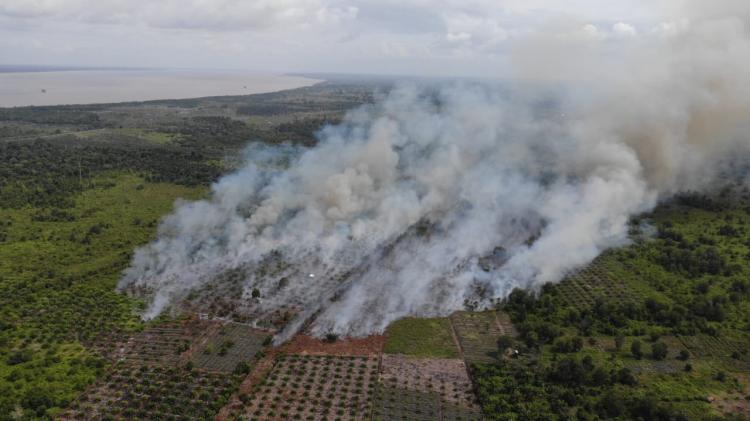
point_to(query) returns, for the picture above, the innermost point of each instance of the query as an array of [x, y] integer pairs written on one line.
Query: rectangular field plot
[[584, 287], [396, 404], [478, 333], [450, 412], [160, 345], [730, 352], [315, 388], [646, 366], [154, 393], [232, 344], [711, 346], [447, 378], [421, 338]]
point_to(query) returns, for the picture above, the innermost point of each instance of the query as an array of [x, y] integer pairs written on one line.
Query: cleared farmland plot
[[232, 344], [478, 333], [154, 393], [447, 378], [421, 338], [397, 404], [151, 381], [315, 388], [393, 404], [160, 345], [450, 412]]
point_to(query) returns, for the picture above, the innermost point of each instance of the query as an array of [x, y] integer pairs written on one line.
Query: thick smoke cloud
[[436, 198]]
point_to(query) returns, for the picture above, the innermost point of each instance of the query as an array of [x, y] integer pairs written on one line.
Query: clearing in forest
[[447, 378], [478, 333], [421, 338]]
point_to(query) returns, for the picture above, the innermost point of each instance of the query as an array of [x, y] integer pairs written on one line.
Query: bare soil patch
[[308, 345], [447, 378]]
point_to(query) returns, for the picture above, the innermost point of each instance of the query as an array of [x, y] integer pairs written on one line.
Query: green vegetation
[[154, 392], [620, 349], [421, 338], [58, 269], [80, 188]]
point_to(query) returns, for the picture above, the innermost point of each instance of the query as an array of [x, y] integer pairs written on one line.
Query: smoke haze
[[435, 198]]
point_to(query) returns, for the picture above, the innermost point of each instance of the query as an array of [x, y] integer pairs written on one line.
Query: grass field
[[421, 338]]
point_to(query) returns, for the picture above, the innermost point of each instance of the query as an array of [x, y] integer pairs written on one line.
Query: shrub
[[636, 349], [659, 351]]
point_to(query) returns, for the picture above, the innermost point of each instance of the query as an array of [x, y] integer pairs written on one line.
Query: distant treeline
[[44, 173]]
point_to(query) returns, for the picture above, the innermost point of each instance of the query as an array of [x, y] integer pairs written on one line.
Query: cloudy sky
[[420, 37]]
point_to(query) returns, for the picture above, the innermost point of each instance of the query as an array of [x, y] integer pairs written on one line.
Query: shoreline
[[101, 87]]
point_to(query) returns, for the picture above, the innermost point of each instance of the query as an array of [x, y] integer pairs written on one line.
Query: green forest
[[657, 330]]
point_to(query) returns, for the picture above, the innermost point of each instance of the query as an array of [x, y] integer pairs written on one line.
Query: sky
[[406, 37]]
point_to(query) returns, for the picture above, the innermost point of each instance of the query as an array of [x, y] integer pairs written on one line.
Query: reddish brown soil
[[308, 345]]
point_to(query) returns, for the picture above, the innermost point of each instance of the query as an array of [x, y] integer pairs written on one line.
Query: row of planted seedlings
[[149, 381], [445, 377], [393, 403], [596, 281], [155, 392], [397, 404], [477, 333], [233, 344], [314, 388]]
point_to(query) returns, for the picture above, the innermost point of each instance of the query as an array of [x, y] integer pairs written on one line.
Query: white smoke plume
[[435, 198]]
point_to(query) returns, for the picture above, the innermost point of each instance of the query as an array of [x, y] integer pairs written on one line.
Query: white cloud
[[407, 36], [624, 30], [483, 33], [591, 30], [184, 14]]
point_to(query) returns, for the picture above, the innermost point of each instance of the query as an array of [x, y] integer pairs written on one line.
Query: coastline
[[89, 87]]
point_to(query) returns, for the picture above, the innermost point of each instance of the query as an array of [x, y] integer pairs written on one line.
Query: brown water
[[104, 86]]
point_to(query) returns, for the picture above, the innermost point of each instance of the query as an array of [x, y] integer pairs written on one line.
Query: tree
[[504, 342], [242, 368], [626, 377], [636, 349], [37, 400], [659, 351]]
